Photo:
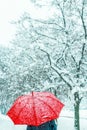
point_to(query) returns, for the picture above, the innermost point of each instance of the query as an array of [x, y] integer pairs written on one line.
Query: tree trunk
[[76, 111]]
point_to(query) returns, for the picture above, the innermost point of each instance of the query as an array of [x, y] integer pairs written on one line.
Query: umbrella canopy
[[35, 108]]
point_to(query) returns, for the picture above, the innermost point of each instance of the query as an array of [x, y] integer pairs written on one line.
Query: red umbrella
[[35, 108]]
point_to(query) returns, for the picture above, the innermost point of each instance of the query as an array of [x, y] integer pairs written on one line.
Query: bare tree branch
[[44, 35], [82, 55], [82, 18], [62, 12], [80, 61], [60, 75], [74, 60]]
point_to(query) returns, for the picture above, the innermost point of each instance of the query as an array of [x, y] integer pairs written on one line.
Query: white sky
[[11, 10]]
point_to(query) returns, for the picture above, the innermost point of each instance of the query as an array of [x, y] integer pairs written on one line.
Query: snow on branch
[[56, 70]]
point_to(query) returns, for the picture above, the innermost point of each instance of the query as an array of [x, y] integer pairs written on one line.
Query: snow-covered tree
[[58, 47], [48, 55]]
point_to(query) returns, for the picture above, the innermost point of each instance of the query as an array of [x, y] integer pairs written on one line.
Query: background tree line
[[48, 55]]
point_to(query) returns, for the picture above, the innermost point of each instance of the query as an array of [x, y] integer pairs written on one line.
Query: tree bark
[[76, 111]]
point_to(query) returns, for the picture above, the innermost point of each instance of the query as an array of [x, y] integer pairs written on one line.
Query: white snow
[[5, 123], [65, 121]]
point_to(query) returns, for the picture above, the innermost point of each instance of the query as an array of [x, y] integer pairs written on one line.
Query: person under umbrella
[[50, 125], [37, 110]]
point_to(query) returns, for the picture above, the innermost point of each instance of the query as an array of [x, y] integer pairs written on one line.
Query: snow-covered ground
[[65, 121], [7, 124]]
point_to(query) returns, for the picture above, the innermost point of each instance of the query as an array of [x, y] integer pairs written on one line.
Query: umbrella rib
[[47, 105], [20, 111], [34, 110]]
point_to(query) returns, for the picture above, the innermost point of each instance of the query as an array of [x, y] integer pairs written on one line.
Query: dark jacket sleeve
[[29, 128], [44, 126], [53, 125]]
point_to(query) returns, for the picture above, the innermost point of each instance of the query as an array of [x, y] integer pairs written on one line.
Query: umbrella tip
[[32, 93]]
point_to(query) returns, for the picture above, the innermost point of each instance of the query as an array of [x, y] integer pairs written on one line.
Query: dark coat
[[51, 125]]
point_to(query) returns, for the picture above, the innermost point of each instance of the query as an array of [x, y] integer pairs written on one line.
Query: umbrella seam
[[48, 106], [34, 109]]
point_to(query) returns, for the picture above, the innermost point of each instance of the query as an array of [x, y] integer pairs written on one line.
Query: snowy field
[[65, 122]]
